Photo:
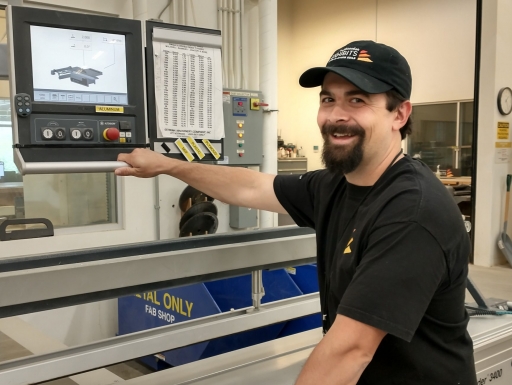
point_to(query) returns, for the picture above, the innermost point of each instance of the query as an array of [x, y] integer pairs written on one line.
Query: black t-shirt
[[393, 256]]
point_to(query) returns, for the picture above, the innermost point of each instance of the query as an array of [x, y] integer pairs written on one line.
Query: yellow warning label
[[503, 145], [111, 109], [184, 150], [503, 133], [191, 141], [210, 148]]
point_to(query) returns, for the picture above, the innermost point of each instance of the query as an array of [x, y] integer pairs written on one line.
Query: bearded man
[[392, 248]]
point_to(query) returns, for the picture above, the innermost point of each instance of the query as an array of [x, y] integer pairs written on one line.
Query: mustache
[[330, 129]]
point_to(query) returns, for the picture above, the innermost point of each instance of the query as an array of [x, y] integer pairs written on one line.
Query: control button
[[20, 103], [19, 98], [240, 103], [27, 98], [240, 125], [128, 140], [47, 133], [122, 140], [240, 135], [26, 103], [88, 134], [241, 155], [76, 134], [240, 145], [60, 134], [111, 134], [124, 125], [27, 110], [20, 109]]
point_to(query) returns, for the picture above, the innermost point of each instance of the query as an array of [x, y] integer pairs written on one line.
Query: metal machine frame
[[93, 275]]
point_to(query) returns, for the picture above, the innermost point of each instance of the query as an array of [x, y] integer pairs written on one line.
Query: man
[[392, 248]]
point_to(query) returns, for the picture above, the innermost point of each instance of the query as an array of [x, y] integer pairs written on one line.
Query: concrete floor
[[493, 282]]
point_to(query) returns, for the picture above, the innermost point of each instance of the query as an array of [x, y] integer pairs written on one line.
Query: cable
[[163, 10], [476, 311]]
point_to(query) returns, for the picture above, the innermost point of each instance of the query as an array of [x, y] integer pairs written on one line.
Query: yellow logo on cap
[[364, 56]]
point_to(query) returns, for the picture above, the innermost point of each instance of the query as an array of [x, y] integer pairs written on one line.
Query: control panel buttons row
[[60, 133]]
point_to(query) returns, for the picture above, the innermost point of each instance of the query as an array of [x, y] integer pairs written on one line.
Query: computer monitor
[[77, 88], [84, 67]]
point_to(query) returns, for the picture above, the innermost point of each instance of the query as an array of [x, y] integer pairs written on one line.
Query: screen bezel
[[24, 17]]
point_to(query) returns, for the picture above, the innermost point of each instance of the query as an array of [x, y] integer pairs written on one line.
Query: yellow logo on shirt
[[347, 249]]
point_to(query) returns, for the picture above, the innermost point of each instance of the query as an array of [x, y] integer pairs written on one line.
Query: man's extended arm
[[342, 355], [234, 185]]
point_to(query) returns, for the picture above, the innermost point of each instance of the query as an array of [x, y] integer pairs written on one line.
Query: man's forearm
[[327, 367], [233, 185]]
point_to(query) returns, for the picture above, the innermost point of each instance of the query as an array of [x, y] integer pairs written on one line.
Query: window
[[443, 135], [67, 200]]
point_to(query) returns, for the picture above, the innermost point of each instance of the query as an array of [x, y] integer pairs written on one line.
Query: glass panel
[[66, 199], [466, 124], [466, 137], [434, 134]]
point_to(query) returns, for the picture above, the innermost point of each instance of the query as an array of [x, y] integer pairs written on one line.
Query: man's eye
[[356, 100], [327, 100]]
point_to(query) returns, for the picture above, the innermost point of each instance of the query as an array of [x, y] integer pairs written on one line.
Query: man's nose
[[338, 114]]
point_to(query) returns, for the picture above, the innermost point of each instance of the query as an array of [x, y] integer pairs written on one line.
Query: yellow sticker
[[210, 148], [110, 109], [191, 141], [186, 153], [503, 145]]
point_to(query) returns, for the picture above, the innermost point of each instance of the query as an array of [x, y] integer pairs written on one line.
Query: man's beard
[[342, 158]]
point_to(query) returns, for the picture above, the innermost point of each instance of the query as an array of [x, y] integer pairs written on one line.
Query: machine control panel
[[76, 131], [243, 126], [77, 108]]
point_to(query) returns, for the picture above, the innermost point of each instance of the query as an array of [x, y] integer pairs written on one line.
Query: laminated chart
[[188, 91]]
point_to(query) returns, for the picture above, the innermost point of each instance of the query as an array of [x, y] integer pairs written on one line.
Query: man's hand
[[144, 164]]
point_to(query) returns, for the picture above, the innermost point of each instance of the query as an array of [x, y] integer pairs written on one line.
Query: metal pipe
[[268, 86], [225, 44], [237, 44], [231, 65], [140, 9], [175, 12], [183, 7], [258, 291]]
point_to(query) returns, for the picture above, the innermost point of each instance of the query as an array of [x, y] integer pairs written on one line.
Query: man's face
[[355, 125]]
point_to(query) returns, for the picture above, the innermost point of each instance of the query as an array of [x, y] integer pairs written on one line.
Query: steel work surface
[[280, 361]]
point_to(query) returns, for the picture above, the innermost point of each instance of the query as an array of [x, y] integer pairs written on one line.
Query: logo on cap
[[352, 54], [364, 56]]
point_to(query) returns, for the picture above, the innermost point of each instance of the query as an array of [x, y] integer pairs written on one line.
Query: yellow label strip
[[110, 109], [186, 153], [210, 148], [191, 141], [503, 145]]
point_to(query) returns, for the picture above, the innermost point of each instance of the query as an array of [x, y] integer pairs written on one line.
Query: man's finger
[[123, 157], [125, 171]]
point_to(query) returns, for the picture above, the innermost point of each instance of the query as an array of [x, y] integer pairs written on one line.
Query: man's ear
[[403, 111]]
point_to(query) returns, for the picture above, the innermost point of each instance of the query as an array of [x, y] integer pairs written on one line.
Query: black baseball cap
[[372, 67]]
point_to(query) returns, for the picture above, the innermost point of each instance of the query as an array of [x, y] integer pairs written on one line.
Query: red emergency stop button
[[111, 134]]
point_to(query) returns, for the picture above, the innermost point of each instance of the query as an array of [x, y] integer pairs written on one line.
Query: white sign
[[188, 91]]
